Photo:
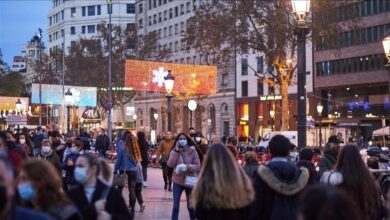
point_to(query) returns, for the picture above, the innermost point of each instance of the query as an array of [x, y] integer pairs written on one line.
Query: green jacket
[[327, 162]]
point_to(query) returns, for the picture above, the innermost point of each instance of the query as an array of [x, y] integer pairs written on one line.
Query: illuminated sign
[[270, 97], [149, 76], [9, 103], [53, 95]]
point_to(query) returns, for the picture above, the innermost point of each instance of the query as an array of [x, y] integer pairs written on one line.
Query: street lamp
[[320, 107], [169, 81], [68, 100], [301, 10], [18, 105], [37, 40], [272, 114], [109, 91], [155, 116], [191, 106]]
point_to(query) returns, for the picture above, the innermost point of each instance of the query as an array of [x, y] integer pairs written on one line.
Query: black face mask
[[192, 134], [3, 198], [10, 143], [69, 144]]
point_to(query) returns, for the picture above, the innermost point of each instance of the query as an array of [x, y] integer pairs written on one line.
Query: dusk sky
[[19, 20]]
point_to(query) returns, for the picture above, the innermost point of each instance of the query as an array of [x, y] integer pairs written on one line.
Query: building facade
[[70, 20], [350, 77], [19, 63], [215, 115]]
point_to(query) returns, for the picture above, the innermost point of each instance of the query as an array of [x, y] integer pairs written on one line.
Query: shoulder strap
[[105, 193]]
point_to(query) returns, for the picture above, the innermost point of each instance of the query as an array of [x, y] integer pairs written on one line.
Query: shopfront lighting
[[386, 47], [155, 116], [135, 117], [272, 114]]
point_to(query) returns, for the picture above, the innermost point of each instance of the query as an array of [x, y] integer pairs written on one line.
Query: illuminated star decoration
[[159, 76]]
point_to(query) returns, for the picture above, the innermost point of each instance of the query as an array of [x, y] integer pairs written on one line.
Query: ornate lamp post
[[169, 81], [320, 107], [68, 101], [191, 106], [386, 48], [155, 116], [18, 105], [301, 10], [272, 115]]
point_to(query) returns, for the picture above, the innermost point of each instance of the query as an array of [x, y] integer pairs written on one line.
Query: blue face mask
[[73, 150], [80, 175], [183, 143], [26, 191]]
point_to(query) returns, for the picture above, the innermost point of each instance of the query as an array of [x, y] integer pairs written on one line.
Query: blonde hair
[[222, 183]]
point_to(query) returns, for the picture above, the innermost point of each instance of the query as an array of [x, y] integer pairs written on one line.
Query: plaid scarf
[[136, 152]]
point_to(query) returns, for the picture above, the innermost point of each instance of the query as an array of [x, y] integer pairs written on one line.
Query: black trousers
[[131, 182], [167, 173], [138, 193], [145, 171]]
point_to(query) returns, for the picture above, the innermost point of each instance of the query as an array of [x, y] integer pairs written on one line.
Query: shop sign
[[17, 120], [270, 97]]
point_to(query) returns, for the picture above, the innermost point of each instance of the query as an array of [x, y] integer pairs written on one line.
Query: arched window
[[212, 117]]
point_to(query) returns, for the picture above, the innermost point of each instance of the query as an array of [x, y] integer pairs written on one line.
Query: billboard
[[149, 76], [53, 94]]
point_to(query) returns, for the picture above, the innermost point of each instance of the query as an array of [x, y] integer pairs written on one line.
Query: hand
[[181, 168], [103, 215], [157, 161], [100, 205], [177, 148], [70, 162]]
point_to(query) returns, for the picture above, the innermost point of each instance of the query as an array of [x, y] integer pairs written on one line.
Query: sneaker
[[144, 184], [170, 189], [142, 208]]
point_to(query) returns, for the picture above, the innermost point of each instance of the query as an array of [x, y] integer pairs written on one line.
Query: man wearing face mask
[[8, 208], [163, 150], [331, 152], [191, 132], [57, 146], [199, 141], [48, 154], [68, 166]]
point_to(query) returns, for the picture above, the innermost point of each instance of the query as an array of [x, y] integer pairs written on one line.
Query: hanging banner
[[53, 95], [149, 76]]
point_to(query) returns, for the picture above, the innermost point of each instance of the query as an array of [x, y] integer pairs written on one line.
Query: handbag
[[189, 181], [119, 179]]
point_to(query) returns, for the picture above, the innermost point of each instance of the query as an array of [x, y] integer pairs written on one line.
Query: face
[[81, 162], [182, 137], [192, 132], [168, 135], [6, 196]]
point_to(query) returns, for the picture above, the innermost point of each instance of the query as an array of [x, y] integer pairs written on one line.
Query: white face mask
[[45, 149], [22, 141], [197, 139]]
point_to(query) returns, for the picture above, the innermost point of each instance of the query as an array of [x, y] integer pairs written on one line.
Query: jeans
[[167, 173], [131, 182], [177, 190], [138, 193], [102, 153]]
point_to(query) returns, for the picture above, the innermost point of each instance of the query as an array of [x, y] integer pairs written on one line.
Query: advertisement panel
[[149, 76], [53, 95]]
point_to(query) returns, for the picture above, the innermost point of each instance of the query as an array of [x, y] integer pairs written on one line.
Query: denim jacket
[[123, 161]]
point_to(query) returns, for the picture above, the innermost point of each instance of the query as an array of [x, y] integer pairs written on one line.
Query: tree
[[224, 27], [12, 84], [87, 63]]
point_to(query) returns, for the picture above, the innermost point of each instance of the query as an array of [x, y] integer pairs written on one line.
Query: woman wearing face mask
[[49, 155], [38, 184], [93, 198], [67, 168], [24, 142], [185, 161], [199, 140], [128, 157]]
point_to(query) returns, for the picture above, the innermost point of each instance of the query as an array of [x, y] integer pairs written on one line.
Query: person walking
[[13, 147], [138, 188], [85, 138], [68, 167], [37, 138], [102, 143], [162, 152], [24, 141], [227, 195], [57, 145], [251, 164], [128, 156], [38, 183], [331, 151], [185, 161], [8, 207], [144, 147], [305, 160], [14, 157], [49, 155], [358, 183], [199, 141], [93, 198], [278, 184]]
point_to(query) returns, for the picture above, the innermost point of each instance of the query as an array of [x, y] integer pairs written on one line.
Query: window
[[176, 28], [73, 12], [176, 11], [165, 31], [140, 23], [150, 20], [182, 27], [73, 43], [271, 90], [72, 30], [109, 9], [83, 29], [91, 29], [150, 4], [49, 37], [194, 5], [260, 87], [62, 15], [140, 8], [159, 17], [165, 15], [130, 8], [170, 13], [154, 19], [50, 21], [244, 67], [244, 88], [188, 7], [182, 10], [91, 10], [159, 33], [260, 64], [170, 30], [99, 10]]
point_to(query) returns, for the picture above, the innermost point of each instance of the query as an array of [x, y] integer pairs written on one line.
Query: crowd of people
[[49, 175]]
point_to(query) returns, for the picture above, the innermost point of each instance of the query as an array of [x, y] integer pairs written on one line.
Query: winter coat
[[102, 142], [223, 214], [124, 161], [327, 162], [188, 156], [52, 158], [251, 170], [115, 204], [144, 147], [311, 168], [277, 187], [69, 170], [164, 149]]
